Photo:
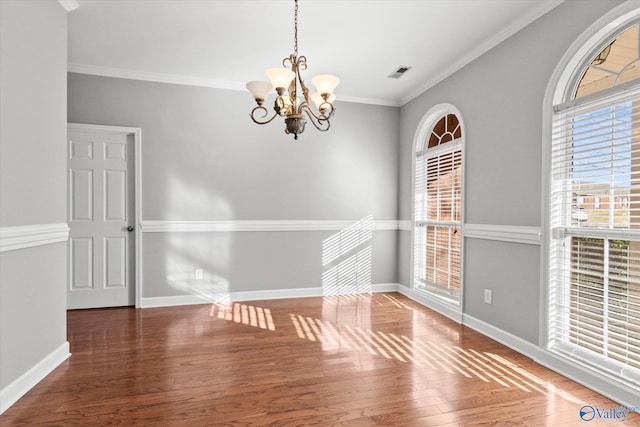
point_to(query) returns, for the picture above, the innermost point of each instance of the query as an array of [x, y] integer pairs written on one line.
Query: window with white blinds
[[594, 294], [438, 201]]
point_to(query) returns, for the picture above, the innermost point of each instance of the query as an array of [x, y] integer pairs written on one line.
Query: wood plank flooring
[[361, 360]]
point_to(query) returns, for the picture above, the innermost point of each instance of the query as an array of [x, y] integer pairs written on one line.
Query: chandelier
[[287, 81]]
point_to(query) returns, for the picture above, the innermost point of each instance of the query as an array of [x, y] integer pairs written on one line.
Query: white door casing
[[102, 216]]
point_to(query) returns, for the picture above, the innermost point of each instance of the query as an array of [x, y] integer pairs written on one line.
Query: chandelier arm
[[291, 59], [265, 113], [320, 123], [328, 108], [319, 116], [301, 65], [293, 90]]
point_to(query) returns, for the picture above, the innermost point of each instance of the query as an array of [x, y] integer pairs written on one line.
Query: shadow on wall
[[196, 263], [346, 259]]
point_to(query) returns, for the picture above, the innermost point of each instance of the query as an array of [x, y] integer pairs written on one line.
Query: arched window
[[438, 204], [617, 63], [594, 210]]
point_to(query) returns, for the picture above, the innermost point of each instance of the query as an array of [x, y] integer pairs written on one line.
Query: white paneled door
[[101, 219]]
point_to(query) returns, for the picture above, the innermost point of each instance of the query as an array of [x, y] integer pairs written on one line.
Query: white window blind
[[437, 219], [594, 298]]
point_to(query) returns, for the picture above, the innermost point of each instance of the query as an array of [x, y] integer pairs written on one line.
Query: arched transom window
[[438, 209], [617, 63], [446, 130]]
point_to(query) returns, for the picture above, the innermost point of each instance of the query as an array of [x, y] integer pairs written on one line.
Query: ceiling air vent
[[399, 72]]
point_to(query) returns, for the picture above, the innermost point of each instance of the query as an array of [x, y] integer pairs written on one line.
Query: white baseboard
[[170, 301], [526, 348], [384, 287], [25, 382], [601, 384], [441, 307], [276, 294], [452, 312], [620, 393], [609, 387]]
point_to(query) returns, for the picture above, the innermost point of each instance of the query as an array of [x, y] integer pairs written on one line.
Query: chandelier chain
[[295, 30]]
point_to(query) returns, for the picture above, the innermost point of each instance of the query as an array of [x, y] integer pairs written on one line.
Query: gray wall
[[33, 62], [203, 159], [500, 97], [255, 261]]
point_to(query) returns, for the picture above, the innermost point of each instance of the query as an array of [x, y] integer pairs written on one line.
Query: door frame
[[137, 207]]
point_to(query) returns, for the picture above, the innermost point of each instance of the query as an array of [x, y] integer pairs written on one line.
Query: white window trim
[[420, 138], [563, 81]]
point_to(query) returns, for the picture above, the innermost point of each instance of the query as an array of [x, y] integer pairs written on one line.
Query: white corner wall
[[33, 232]]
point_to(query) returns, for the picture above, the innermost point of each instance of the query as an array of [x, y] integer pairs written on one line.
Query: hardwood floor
[[350, 360]]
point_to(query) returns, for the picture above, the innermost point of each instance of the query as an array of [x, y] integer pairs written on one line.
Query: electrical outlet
[[488, 296], [199, 273]]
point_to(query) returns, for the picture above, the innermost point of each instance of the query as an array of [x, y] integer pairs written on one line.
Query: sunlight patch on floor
[[469, 363], [244, 314]]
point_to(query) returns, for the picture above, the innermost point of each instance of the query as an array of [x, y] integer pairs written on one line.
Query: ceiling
[[225, 43]]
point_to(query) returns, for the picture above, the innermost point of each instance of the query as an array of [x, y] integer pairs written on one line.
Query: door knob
[[130, 228]]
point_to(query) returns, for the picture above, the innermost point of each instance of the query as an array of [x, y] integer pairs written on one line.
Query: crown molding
[[130, 74], [481, 49], [369, 101], [69, 5], [123, 73]]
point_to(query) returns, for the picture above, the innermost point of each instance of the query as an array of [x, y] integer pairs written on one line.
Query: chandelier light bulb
[[259, 90], [280, 77], [325, 83]]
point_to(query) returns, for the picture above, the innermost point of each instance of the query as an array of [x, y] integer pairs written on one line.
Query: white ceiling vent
[[399, 72]]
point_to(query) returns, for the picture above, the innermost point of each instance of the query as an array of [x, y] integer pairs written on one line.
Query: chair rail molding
[[164, 226], [405, 225], [69, 5], [503, 233], [26, 236]]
